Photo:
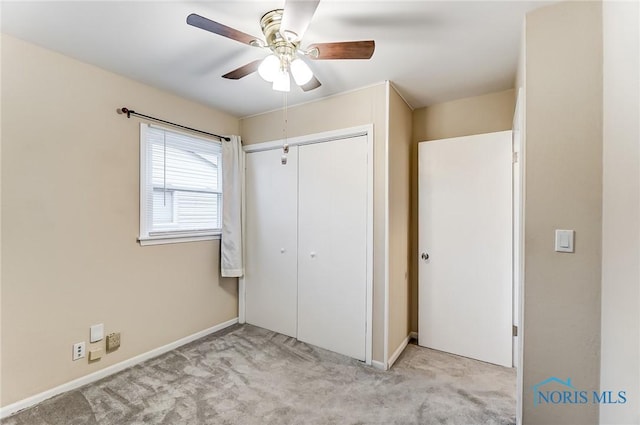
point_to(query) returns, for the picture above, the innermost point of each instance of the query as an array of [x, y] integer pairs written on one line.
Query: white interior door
[[271, 241], [465, 228], [332, 245]]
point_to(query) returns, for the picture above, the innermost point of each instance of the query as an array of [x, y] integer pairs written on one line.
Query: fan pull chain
[[285, 145]]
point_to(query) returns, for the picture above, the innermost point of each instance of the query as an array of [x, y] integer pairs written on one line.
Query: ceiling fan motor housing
[[270, 24]]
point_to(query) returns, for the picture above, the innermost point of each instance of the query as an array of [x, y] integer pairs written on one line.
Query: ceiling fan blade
[[314, 83], [243, 71], [342, 50], [223, 30], [296, 18]]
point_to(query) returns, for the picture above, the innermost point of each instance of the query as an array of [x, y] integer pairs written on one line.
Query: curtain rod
[[130, 112]]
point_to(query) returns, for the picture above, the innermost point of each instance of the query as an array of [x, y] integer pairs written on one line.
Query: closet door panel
[[271, 241], [332, 245]]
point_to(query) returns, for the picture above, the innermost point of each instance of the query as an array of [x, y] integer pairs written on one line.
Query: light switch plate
[[564, 240], [97, 332]]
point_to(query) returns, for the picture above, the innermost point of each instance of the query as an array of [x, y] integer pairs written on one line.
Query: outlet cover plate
[[95, 354], [97, 332], [78, 351], [113, 341]]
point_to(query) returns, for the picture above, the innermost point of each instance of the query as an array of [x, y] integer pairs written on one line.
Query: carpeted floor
[[246, 375]]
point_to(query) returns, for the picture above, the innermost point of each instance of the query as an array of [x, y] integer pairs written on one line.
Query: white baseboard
[[399, 351], [396, 354], [378, 365], [110, 370]]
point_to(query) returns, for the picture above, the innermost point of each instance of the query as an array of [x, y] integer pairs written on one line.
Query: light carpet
[[247, 375]]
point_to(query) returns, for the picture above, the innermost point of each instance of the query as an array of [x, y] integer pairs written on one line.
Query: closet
[[308, 241]]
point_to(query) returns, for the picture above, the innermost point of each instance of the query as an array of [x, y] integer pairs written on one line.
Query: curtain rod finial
[[125, 111]]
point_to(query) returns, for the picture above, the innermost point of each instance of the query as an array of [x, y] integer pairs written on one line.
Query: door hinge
[[514, 330], [515, 157]]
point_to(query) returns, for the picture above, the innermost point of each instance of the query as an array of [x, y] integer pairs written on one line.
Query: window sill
[[167, 239]]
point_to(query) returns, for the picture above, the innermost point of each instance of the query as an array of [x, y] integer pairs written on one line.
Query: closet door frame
[[365, 130]]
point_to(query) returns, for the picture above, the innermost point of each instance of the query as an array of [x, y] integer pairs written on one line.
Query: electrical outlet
[[113, 341], [78, 351]]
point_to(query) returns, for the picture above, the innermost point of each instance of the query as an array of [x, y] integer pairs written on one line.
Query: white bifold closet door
[[332, 245], [271, 241]]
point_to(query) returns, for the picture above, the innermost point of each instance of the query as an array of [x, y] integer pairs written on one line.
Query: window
[[180, 187]]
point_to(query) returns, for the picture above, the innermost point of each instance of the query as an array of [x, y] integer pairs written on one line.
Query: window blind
[[182, 184]]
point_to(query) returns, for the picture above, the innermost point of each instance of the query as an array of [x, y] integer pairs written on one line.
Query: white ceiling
[[432, 51]]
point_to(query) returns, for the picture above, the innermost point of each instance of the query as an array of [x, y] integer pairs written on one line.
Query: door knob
[[282, 250], [313, 254], [425, 256]]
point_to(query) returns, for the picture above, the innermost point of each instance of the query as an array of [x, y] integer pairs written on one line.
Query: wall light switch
[[97, 332], [564, 240]]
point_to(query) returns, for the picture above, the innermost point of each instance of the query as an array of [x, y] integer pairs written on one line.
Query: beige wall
[[399, 219], [563, 191], [473, 115], [464, 117], [620, 356], [70, 221], [360, 107]]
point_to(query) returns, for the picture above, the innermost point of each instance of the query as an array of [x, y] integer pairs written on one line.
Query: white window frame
[[173, 236]]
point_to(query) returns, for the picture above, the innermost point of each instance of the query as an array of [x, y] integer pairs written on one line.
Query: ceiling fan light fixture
[[282, 82], [301, 72], [269, 68]]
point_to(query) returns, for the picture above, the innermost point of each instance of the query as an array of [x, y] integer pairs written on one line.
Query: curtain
[[231, 261]]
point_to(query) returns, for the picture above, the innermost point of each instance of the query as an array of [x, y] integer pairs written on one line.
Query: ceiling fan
[[283, 30]]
